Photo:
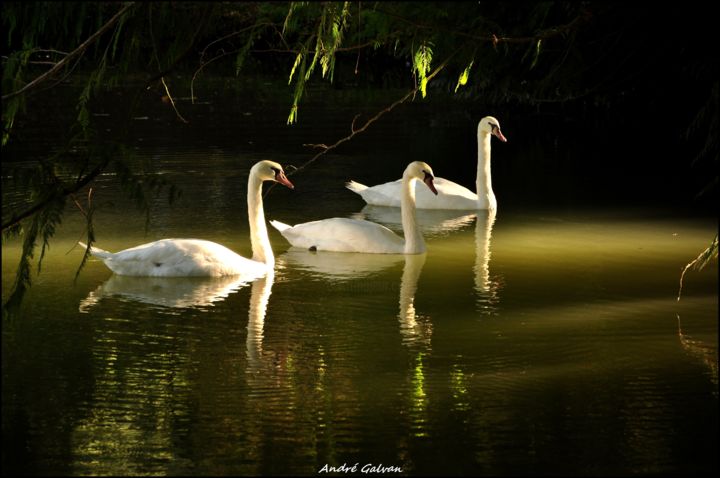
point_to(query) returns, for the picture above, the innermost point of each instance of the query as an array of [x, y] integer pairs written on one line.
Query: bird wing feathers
[[345, 235]]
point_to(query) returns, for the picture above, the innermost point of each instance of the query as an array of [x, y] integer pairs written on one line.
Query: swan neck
[[261, 249], [414, 243], [484, 180]]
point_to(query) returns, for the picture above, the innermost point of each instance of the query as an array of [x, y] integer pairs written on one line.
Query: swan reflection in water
[[172, 292], [432, 222], [259, 298], [337, 266], [415, 329], [704, 352], [487, 287], [439, 222], [343, 266]]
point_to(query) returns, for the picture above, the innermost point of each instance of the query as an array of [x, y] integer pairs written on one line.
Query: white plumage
[[450, 194], [342, 235], [198, 257], [356, 235], [178, 258]]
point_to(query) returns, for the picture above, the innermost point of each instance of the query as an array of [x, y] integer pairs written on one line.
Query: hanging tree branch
[[353, 131], [72, 55], [64, 191], [582, 17], [377, 116]]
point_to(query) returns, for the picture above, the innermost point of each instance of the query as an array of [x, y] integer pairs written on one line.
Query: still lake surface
[[538, 341]]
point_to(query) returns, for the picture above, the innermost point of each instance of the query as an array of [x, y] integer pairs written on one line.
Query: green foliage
[[463, 79], [324, 42], [55, 30], [53, 181], [422, 61], [45, 188], [299, 84], [298, 58]]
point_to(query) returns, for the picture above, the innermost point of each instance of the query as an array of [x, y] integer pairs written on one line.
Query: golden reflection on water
[[418, 399], [704, 351], [130, 415], [459, 387]]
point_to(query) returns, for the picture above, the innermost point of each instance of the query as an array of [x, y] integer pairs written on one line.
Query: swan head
[[490, 125], [270, 171], [422, 171]]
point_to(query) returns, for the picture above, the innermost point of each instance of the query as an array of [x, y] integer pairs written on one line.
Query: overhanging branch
[[64, 191], [353, 131], [70, 56]]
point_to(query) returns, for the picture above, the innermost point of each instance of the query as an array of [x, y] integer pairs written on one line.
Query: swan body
[[342, 235], [197, 257], [357, 235], [178, 258], [450, 194]]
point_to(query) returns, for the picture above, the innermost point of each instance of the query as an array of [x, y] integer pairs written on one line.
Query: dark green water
[[542, 341]]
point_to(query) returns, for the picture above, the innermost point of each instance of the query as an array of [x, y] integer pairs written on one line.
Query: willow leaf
[[463, 79], [538, 46], [421, 65], [298, 58]]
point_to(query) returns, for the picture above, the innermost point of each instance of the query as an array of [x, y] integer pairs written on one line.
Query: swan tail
[[96, 251], [280, 226], [355, 186]]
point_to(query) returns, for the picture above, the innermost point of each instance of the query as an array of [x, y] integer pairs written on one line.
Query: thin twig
[[367, 124], [192, 82], [243, 30], [79, 206], [157, 60], [172, 102], [548, 33]]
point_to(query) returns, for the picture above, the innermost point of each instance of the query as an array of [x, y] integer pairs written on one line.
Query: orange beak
[[282, 179]]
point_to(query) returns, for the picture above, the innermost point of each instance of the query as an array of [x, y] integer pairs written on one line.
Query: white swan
[[356, 235], [197, 257], [450, 195]]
